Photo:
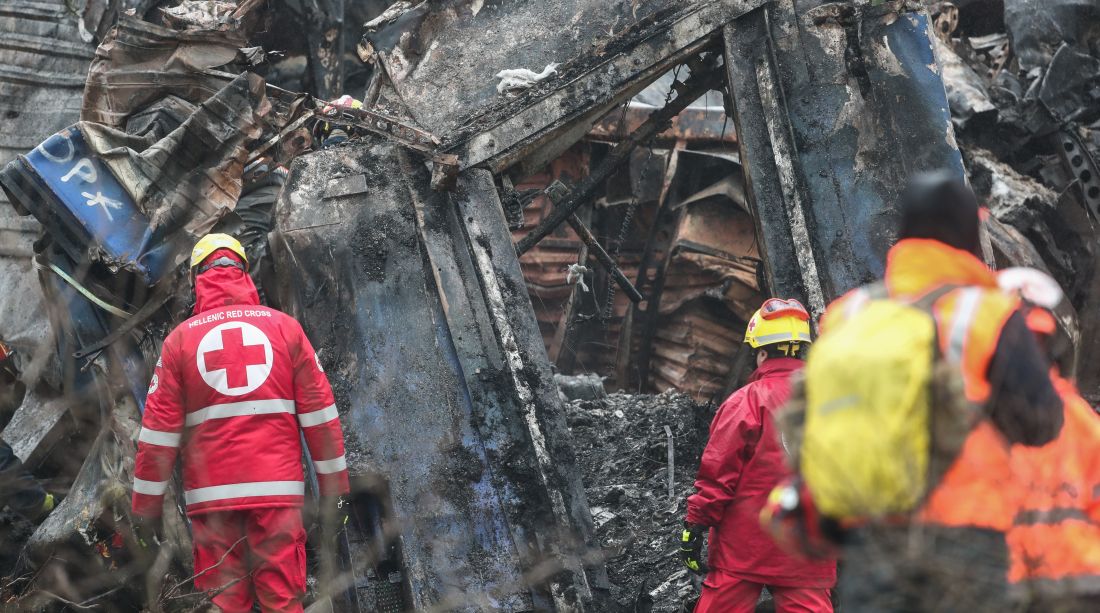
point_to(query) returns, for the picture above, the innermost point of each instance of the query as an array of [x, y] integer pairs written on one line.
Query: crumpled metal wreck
[[467, 496]]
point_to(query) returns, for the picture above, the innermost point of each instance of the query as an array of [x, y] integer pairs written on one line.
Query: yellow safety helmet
[[778, 321], [211, 243]]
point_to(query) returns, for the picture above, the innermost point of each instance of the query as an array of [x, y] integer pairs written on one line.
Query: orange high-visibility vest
[[1054, 541]]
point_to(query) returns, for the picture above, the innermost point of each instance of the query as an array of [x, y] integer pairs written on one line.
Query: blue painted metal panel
[[861, 96], [854, 173], [83, 205]]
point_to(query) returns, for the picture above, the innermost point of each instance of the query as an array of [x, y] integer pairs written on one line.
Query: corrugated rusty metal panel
[[694, 350], [712, 279], [544, 266], [711, 289]]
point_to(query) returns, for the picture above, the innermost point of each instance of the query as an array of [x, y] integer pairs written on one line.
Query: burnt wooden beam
[[324, 20], [558, 192]]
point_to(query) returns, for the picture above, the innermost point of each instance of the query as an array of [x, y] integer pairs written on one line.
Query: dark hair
[[786, 350], [941, 206]]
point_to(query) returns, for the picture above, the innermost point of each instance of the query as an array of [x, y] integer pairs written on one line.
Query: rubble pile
[[522, 184], [622, 450]]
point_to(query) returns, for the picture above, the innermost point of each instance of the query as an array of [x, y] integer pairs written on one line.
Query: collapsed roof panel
[[601, 53], [162, 145]]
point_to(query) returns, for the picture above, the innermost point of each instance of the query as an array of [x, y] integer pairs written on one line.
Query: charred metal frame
[[686, 93], [825, 146]]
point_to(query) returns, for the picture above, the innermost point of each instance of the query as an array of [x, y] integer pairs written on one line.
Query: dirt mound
[[622, 448]]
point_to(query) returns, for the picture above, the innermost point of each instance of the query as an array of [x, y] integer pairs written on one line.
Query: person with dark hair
[[743, 460], [944, 549], [940, 207], [1054, 541]]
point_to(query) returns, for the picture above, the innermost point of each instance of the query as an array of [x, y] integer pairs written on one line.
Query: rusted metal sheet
[[693, 353], [140, 62], [816, 89], [711, 289]]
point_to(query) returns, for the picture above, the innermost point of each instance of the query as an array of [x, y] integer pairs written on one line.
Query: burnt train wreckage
[[469, 499]]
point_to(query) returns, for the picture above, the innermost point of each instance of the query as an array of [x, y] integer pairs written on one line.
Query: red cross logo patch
[[234, 358]]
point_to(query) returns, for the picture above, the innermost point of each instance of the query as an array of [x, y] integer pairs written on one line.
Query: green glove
[[691, 548], [49, 503]]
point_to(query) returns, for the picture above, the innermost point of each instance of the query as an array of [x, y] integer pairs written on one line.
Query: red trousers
[[255, 554], [724, 593]]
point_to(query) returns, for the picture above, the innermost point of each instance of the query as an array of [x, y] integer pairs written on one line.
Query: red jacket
[[235, 385], [743, 461]]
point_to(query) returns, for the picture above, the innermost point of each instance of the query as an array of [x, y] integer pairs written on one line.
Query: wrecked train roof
[[600, 53]]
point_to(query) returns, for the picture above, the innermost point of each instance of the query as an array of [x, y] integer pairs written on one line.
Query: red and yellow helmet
[[777, 321]]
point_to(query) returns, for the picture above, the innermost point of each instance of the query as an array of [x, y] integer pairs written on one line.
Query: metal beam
[[836, 105], [658, 121], [528, 126]]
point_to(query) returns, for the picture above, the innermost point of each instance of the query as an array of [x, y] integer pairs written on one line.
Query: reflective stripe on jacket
[[236, 387], [1054, 542]]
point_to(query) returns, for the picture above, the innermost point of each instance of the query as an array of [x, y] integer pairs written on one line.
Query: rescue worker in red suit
[[235, 386], [743, 460]]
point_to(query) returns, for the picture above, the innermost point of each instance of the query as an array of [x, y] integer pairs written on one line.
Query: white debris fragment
[[575, 274], [601, 516], [204, 14], [85, 35], [515, 79]]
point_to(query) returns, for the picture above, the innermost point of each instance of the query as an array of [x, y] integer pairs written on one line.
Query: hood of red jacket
[[776, 367], [224, 286]]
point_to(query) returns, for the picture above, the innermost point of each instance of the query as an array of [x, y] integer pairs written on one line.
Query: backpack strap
[[864, 295], [927, 301]]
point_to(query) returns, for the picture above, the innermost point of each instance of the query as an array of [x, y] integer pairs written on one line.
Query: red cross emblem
[[234, 358]]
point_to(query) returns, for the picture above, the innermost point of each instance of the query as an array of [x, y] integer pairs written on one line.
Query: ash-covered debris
[[622, 448], [1023, 82]]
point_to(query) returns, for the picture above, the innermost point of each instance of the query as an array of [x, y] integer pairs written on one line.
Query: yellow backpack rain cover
[[865, 447]]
